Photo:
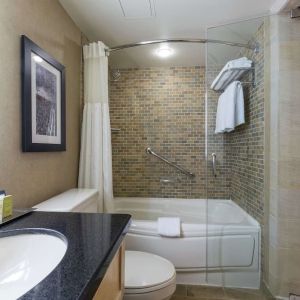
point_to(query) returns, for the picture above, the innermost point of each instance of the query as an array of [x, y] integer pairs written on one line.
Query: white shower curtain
[[95, 167]]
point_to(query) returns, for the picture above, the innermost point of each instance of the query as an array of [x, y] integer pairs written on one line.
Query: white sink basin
[[25, 260]]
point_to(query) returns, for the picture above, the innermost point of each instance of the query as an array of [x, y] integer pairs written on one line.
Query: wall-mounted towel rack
[[182, 170], [231, 74]]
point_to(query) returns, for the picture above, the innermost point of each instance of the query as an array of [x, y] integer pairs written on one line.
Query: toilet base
[[164, 293]]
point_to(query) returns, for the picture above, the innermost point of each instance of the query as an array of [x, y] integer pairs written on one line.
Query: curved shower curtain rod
[[254, 47]]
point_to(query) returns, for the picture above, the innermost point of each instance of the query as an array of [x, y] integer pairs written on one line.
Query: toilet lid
[[144, 270]]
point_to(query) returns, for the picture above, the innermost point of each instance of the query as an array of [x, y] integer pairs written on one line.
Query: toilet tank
[[74, 200]]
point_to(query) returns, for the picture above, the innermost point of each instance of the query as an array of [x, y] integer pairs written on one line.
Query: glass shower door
[[235, 154]]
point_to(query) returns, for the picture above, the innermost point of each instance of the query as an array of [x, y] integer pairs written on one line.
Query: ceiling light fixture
[[164, 51]]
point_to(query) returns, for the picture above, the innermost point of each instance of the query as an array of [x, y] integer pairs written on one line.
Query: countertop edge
[[92, 286]]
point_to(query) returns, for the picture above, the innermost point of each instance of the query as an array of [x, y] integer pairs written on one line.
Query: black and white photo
[[46, 101], [43, 100]]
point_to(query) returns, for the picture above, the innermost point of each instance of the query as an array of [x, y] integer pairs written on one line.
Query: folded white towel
[[225, 77], [169, 227], [242, 62], [230, 111]]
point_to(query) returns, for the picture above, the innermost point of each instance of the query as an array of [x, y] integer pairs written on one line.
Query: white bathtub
[[219, 243]]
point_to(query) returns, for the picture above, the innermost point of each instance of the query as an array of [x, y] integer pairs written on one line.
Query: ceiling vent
[[137, 9]]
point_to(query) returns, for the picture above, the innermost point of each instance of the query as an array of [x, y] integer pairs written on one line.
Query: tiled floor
[[184, 292]]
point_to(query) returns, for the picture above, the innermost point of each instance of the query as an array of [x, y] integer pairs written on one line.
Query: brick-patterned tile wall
[[240, 153], [163, 108], [246, 143]]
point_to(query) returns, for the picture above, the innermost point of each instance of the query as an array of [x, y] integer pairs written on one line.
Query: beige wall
[[284, 143], [33, 177]]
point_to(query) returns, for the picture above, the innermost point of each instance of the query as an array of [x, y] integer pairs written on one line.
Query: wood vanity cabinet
[[112, 285]]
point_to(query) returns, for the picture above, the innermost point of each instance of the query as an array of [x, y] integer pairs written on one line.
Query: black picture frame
[[43, 100]]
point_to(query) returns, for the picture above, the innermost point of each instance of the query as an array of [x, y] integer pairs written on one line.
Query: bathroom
[[146, 195]]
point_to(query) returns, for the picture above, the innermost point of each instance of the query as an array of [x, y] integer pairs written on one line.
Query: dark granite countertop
[[93, 240]]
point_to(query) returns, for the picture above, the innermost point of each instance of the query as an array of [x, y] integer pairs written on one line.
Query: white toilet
[[147, 276]]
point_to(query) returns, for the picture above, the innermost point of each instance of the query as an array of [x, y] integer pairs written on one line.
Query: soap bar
[[7, 205]]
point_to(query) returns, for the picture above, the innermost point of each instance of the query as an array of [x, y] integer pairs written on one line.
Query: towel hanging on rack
[[232, 71], [230, 111]]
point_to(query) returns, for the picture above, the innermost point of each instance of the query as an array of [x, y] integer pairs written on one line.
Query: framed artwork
[[43, 100]]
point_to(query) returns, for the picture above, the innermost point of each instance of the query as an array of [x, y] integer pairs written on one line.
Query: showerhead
[[115, 74]]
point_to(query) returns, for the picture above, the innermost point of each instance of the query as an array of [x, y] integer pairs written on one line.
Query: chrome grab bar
[[214, 160], [150, 151]]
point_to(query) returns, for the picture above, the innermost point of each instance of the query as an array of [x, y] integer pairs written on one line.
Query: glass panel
[[235, 190]]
